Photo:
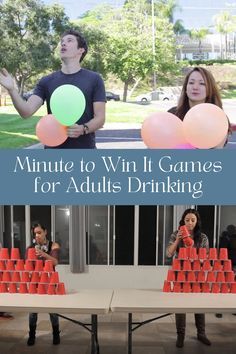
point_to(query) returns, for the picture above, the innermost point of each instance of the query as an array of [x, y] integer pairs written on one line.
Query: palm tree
[[199, 34], [225, 24]]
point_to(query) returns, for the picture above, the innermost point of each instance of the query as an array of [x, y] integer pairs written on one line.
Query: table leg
[[130, 333], [94, 335]]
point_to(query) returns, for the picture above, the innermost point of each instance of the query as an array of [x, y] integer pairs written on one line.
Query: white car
[[144, 98], [155, 96]]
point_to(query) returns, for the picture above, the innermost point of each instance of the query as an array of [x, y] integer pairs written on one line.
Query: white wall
[[137, 277]]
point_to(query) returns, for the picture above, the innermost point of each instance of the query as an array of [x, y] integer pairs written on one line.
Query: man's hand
[[6, 80], [75, 130]]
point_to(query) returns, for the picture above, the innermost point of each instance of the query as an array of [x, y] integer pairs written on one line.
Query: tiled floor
[[154, 338]]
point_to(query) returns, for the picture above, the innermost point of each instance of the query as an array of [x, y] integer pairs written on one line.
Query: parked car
[[156, 95], [112, 96], [144, 98]]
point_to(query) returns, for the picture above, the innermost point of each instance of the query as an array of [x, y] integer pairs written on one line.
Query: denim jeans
[[34, 316]]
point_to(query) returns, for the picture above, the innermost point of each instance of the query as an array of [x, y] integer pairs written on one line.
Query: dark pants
[[33, 317], [180, 321]]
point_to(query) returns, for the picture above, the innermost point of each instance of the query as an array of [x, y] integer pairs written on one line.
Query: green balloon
[[67, 104]]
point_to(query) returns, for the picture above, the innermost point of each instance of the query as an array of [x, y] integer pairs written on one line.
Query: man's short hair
[[80, 40]]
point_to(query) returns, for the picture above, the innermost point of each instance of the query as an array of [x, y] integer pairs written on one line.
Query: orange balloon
[[162, 130], [205, 125], [50, 132]]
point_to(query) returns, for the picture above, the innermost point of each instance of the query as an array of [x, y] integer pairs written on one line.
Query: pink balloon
[[186, 146], [205, 125], [50, 132], [162, 130]]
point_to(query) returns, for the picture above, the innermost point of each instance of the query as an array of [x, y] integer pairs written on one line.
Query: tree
[[30, 32], [199, 34], [130, 51], [225, 24]]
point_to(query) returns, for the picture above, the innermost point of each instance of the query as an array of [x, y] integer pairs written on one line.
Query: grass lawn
[[16, 132]]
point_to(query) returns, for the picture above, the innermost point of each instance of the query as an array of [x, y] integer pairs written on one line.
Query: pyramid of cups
[[33, 276], [199, 271]]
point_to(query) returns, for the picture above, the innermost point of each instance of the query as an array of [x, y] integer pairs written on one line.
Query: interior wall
[[114, 277]]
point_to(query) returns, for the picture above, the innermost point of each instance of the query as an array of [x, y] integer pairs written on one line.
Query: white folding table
[[89, 301], [150, 301]]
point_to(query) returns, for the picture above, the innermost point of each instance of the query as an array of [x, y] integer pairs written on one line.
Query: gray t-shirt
[[92, 86]]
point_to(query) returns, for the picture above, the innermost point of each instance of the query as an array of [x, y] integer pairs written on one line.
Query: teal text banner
[[117, 177]]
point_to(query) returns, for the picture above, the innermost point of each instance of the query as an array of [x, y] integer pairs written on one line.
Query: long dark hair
[[212, 92], [197, 229]]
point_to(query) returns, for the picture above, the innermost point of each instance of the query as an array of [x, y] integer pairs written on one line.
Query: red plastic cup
[[32, 288], [177, 288], [25, 277], [183, 254], [39, 265], [44, 278], [223, 253], [229, 277], [12, 288], [196, 265], [29, 265], [31, 254], [0, 276], [184, 230], [35, 277], [3, 288], [54, 279], [176, 265], [2, 265], [206, 265], [23, 288], [187, 288], [215, 288], [191, 277], [51, 289], [227, 265], [193, 253], [201, 276], [20, 264], [181, 277], [188, 241], [212, 254], [196, 288], [202, 253], [60, 289], [206, 288], [187, 265], [15, 253], [220, 277], [6, 277], [166, 286], [10, 265], [4, 253], [233, 288], [211, 278], [171, 275], [217, 265], [224, 288], [48, 266], [41, 289], [16, 277]]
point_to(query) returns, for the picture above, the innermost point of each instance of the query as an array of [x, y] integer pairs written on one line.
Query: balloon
[[67, 104], [50, 132], [205, 125], [162, 130], [186, 146]]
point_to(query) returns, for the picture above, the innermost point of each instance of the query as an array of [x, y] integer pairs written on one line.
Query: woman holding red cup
[[188, 235]]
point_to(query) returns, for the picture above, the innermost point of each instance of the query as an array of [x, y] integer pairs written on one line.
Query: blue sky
[[194, 13]]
